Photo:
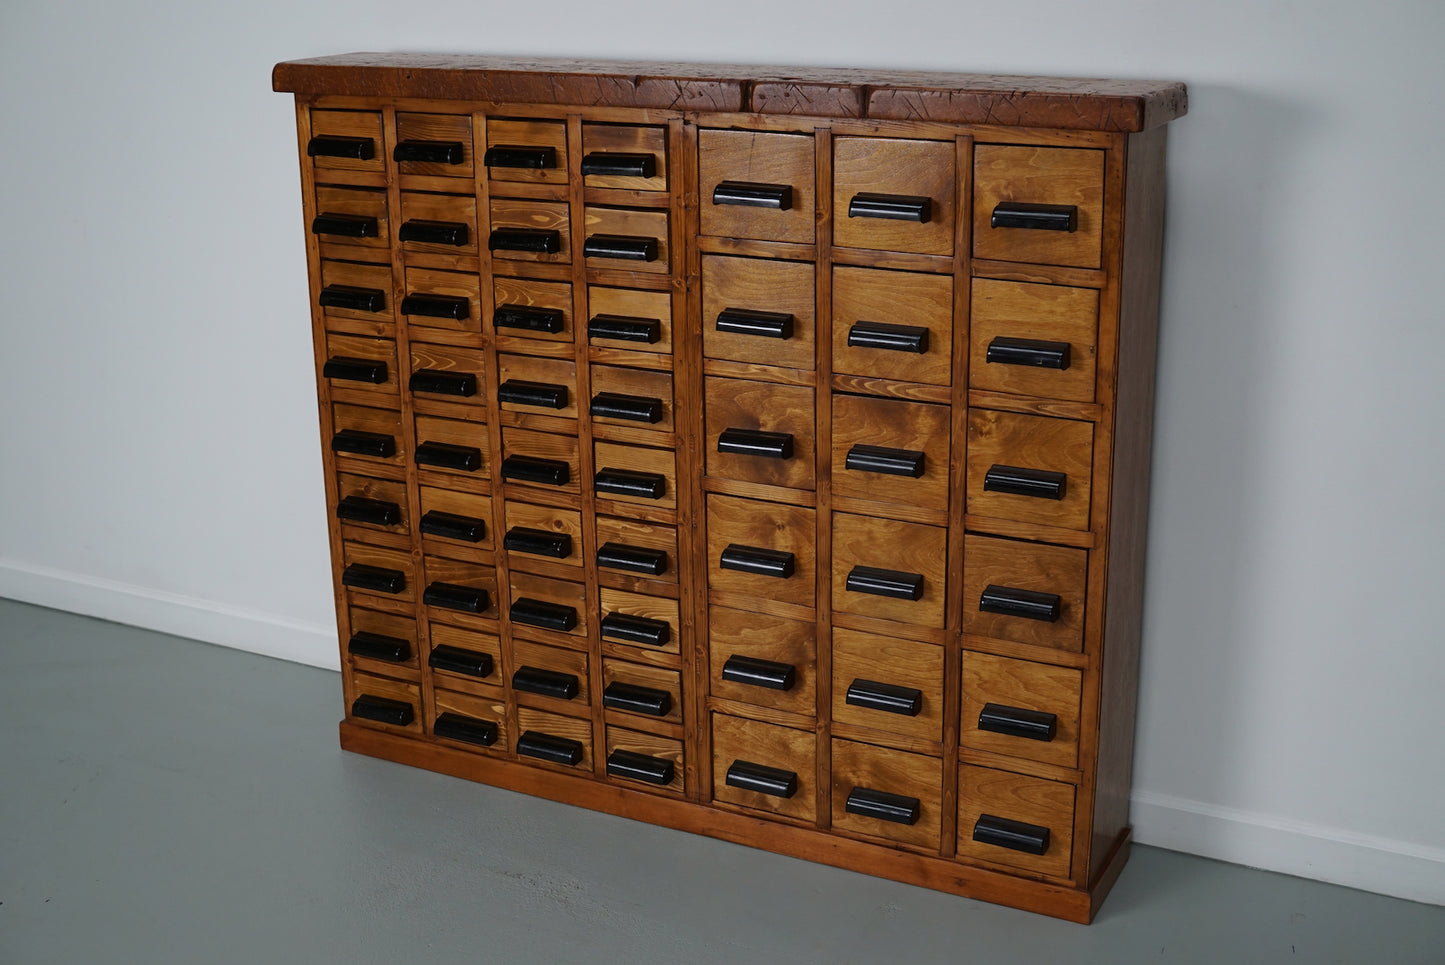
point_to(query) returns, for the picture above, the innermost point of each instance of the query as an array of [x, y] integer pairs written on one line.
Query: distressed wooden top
[[1052, 102]]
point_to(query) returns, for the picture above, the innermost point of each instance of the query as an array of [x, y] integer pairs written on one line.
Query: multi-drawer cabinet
[[763, 454]]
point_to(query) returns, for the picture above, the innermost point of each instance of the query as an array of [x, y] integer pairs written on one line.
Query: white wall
[[159, 455]]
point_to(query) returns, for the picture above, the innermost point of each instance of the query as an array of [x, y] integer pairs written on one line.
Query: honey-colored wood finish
[[863, 767]]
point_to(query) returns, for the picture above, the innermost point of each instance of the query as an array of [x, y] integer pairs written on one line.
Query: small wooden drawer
[[377, 572], [452, 520], [469, 721], [540, 459], [550, 677], [385, 703], [625, 318], [448, 373], [345, 141], [624, 156], [756, 185], [438, 223], [1025, 592], [650, 623], [1021, 709], [452, 446], [1015, 821], [353, 217], [542, 533], [465, 660], [1041, 205], [891, 451], [382, 643], [885, 793], [889, 569], [644, 761], [551, 740], [893, 194], [530, 231], [541, 155], [1036, 340], [1029, 468], [761, 432], [758, 311], [532, 309], [442, 299], [636, 474], [356, 297], [553, 610], [641, 692], [458, 586], [626, 239], [893, 325], [763, 660], [355, 363], [367, 506], [888, 684], [764, 766], [639, 398], [762, 551], [436, 145], [526, 383], [367, 434], [630, 547]]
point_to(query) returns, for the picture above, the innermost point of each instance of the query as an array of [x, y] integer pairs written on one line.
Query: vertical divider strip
[[823, 449]]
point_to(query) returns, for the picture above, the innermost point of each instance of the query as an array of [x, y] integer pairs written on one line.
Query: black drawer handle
[[453, 307], [383, 710], [378, 646], [538, 542], [892, 207], [546, 683], [345, 368], [626, 628], [544, 614], [773, 781], [1038, 483], [754, 672], [520, 156], [443, 382], [452, 526], [444, 455], [539, 241], [549, 320], [456, 596], [425, 232], [889, 338], [747, 321], [545, 747], [627, 482], [632, 559], [890, 462], [883, 806], [637, 700], [625, 328], [619, 165], [459, 660], [1014, 835], [889, 698], [755, 442], [344, 225], [751, 194], [329, 145], [757, 560], [547, 472], [360, 443], [632, 766], [359, 509], [1028, 351], [468, 730], [541, 394], [429, 152], [1045, 217], [626, 247], [362, 576], [634, 408], [1029, 604], [894, 584], [353, 298], [1034, 725]]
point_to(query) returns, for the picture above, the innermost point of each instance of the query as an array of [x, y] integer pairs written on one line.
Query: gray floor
[[166, 801]]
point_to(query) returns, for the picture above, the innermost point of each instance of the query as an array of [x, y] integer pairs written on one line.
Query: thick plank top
[[1053, 102]]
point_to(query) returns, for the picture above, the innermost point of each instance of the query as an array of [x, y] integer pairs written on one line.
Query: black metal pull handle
[[363, 576], [757, 560], [633, 766], [378, 646], [755, 672], [895, 584], [1029, 604], [462, 661], [1038, 483], [626, 247], [430, 152], [752, 194], [627, 482], [632, 559], [773, 781], [444, 455], [889, 338], [747, 321], [527, 318], [344, 225], [1044, 217], [425, 232], [544, 614], [890, 462], [538, 542], [625, 328], [360, 443], [1014, 835], [352, 298], [546, 683], [626, 628], [637, 700], [453, 307], [755, 442], [547, 472], [1034, 725], [468, 730], [443, 382], [1028, 351], [619, 165], [537, 241], [452, 526], [634, 408], [520, 156], [544, 395], [891, 207], [889, 698], [883, 806], [457, 596], [360, 509], [383, 710], [330, 145], [545, 747], [346, 368]]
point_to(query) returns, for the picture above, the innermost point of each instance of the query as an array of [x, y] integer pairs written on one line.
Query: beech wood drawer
[[756, 185], [893, 325], [1069, 182], [891, 451], [890, 794], [893, 193], [758, 311], [469, 721], [381, 643], [1029, 468], [552, 678], [761, 432], [765, 767], [449, 300], [1022, 709], [345, 141], [764, 551], [1034, 340], [1015, 821], [436, 145], [543, 533], [763, 660], [627, 156], [543, 386], [554, 741], [888, 684], [1025, 592], [384, 703], [644, 761], [889, 569]]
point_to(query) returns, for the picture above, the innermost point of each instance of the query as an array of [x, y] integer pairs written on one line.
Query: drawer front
[[452, 521], [737, 529], [1022, 709], [761, 432], [504, 133], [889, 569], [367, 435], [470, 722], [526, 308], [643, 693], [382, 643], [893, 325], [369, 506], [986, 795], [629, 547], [443, 224], [1069, 179], [773, 768], [763, 660], [893, 194], [542, 533], [541, 386], [644, 761], [356, 297], [458, 587], [554, 741], [1056, 459], [385, 703], [648, 623], [1036, 340], [1025, 592], [470, 660], [758, 311], [449, 300], [436, 145], [638, 398], [891, 451], [629, 319], [377, 572], [366, 366], [351, 223], [363, 128], [888, 684], [617, 156], [756, 185], [888, 794], [551, 678], [551, 610], [530, 231], [547, 461], [451, 447], [448, 373], [636, 474], [626, 239]]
